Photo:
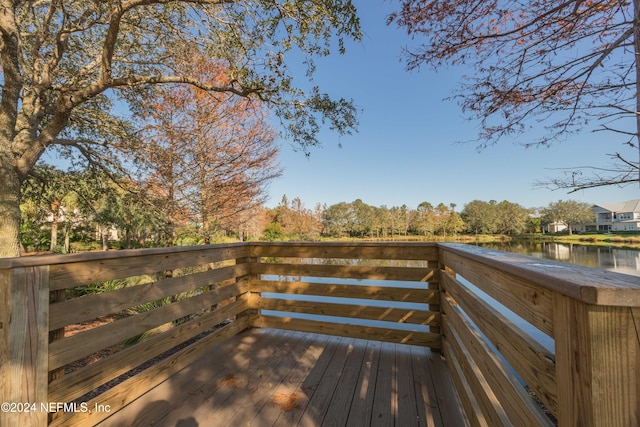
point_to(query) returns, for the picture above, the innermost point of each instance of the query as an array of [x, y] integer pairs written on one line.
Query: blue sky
[[407, 147]]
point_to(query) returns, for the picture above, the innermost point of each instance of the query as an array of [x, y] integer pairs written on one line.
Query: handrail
[[584, 284], [466, 298], [54, 259]]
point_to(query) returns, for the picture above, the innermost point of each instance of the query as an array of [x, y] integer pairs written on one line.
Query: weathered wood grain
[[424, 381], [310, 385], [77, 273], [287, 393], [362, 402], [475, 414], [589, 285], [24, 334], [29, 261], [195, 393], [342, 396], [259, 388], [329, 381], [348, 250]]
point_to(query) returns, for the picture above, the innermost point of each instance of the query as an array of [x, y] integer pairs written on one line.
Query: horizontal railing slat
[[427, 339], [73, 274], [90, 307], [480, 404], [384, 251], [528, 300], [387, 314], [74, 385], [383, 293], [348, 272], [584, 284], [130, 389], [513, 398], [529, 358], [67, 350]]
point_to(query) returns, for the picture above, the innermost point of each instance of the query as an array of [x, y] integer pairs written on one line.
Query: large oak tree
[[64, 63], [541, 70]]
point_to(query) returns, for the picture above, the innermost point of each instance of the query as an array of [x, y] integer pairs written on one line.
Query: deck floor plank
[[408, 414], [427, 401], [287, 395], [341, 402], [445, 392], [269, 397], [332, 381], [178, 394], [309, 386], [321, 399], [385, 400], [226, 393], [260, 384], [362, 403]]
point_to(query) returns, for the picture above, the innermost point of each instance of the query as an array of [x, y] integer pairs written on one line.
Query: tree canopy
[[568, 212], [209, 155], [560, 66], [66, 67]]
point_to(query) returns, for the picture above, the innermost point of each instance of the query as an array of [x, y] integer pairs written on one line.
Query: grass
[[472, 238], [619, 239]]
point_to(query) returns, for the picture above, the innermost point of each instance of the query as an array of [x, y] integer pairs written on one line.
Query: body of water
[[621, 260]]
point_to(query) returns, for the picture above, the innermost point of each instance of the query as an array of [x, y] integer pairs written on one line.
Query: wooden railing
[[392, 294], [184, 294], [591, 318], [478, 307]]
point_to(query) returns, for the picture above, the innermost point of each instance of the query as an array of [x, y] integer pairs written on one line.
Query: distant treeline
[[358, 219], [91, 211]]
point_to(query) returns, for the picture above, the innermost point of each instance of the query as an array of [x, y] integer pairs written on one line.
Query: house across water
[[623, 216]]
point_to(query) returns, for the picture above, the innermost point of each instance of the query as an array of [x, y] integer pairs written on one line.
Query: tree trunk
[[105, 237], [636, 42], [67, 238], [54, 234], [205, 228], [9, 209], [171, 233]]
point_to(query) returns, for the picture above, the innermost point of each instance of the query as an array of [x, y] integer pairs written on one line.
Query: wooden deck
[[268, 377]]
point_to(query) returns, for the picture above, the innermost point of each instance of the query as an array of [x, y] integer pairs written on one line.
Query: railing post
[[597, 363], [442, 267], [252, 296], [54, 297], [24, 336]]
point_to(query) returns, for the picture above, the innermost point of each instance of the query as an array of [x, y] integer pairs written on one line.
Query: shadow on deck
[[268, 377]]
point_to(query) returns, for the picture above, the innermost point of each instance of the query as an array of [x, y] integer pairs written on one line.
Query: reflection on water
[[621, 260]]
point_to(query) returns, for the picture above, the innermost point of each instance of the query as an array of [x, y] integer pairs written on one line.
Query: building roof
[[630, 206]]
